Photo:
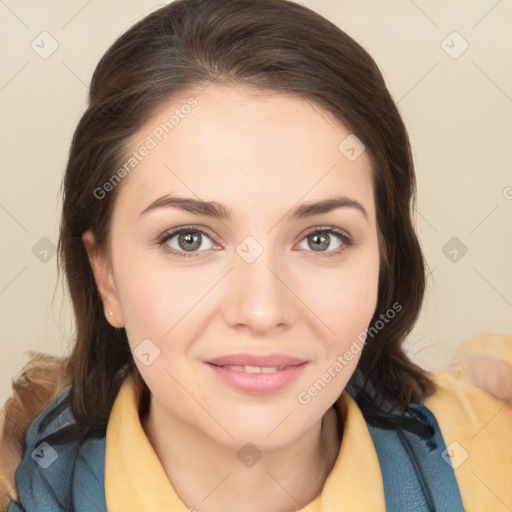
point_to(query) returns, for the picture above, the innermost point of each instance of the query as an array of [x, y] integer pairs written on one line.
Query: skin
[[260, 154]]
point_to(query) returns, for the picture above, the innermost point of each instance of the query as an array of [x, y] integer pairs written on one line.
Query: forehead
[[245, 147]]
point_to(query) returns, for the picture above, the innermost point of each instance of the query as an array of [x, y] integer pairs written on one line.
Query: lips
[[257, 375], [251, 362]]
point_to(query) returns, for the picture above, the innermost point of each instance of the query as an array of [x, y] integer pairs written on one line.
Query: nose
[[259, 296]]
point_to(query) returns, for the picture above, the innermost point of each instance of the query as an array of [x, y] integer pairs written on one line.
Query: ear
[[103, 276]]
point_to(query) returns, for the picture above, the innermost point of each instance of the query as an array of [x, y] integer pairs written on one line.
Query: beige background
[[458, 109]]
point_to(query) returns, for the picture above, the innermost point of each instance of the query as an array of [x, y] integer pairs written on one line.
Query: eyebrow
[[219, 211]]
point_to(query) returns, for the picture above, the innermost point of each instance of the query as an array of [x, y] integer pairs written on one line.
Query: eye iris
[[189, 237], [318, 244]]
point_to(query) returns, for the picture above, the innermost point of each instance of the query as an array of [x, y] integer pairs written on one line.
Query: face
[[257, 279]]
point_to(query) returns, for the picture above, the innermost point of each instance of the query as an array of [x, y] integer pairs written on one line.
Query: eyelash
[[340, 234]]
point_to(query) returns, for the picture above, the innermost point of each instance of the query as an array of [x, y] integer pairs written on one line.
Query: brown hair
[[276, 46]]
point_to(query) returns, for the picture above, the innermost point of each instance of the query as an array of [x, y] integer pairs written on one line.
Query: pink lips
[[288, 369]]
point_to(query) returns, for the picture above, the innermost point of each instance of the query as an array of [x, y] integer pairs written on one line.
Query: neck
[[210, 477]]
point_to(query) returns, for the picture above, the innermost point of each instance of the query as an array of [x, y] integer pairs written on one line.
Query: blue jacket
[[416, 471]]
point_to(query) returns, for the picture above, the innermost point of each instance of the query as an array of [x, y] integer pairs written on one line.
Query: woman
[[237, 239]]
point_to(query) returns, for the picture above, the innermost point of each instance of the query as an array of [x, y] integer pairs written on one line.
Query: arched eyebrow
[[220, 211], [325, 206]]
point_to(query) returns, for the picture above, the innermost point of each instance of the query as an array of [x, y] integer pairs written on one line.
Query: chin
[[253, 440], [267, 434]]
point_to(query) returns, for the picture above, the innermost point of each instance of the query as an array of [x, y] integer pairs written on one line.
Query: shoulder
[[473, 407], [55, 471]]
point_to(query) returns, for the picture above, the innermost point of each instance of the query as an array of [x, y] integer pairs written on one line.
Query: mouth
[[244, 360], [257, 374], [252, 369]]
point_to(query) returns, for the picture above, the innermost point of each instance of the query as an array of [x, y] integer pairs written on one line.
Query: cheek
[[154, 301], [346, 304], [159, 315], [345, 298]]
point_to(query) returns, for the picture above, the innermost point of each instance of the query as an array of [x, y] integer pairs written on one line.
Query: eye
[[186, 241], [320, 239]]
